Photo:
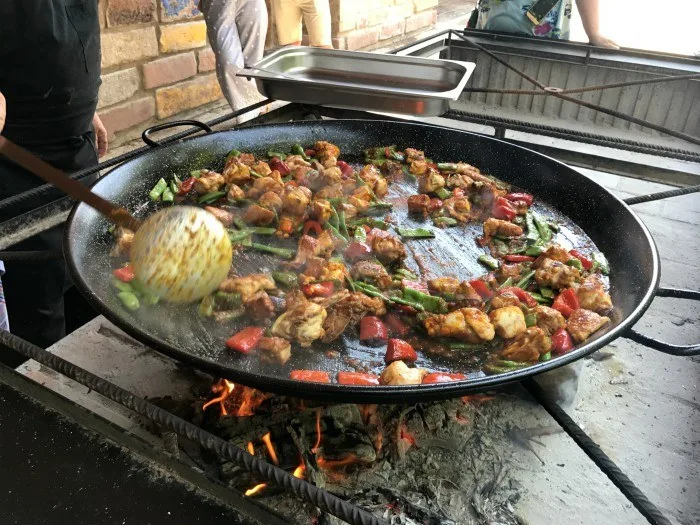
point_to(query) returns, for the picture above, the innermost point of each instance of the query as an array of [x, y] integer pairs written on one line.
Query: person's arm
[[590, 16], [100, 135], [3, 112]]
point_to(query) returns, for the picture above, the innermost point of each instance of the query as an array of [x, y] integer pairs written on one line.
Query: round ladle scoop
[[180, 253]]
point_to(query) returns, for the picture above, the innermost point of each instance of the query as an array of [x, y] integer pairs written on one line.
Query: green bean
[[298, 150], [546, 357], [233, 153], [430, 303], [285, 253], [447, 166], [542, 228], [443, 222], [442, 193], [378, 207], [143, 293], [575, 263], [277, 154], [227, 300], [239, 223], [540, 298], [506, 283], [467, 346], [158, 190], [530, 319], [522, 283], [262, 230], [488, 261], [255, 174], [406, 274], [168, 195], [415, 233], [122, 286], [287, 279], [129, 300], [238, 236], [210, 197], [534, 251], [372, 223], [174, 185], [360, 234], [351, 283], [533, 235], [546, 292], [196, 174], [342, 227]]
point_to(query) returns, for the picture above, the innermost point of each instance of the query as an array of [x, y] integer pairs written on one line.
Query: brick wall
[[156, 64]]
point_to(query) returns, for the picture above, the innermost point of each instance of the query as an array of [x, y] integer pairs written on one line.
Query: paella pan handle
[[662, 346], [167, 125]]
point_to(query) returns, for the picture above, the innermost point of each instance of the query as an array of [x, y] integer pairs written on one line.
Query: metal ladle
[[180, 254]]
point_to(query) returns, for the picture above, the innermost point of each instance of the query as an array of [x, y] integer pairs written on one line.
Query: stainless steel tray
[[357, 80]]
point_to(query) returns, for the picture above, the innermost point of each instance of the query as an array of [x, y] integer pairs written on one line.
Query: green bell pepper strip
[[430, 303], [129, 300], [442, 222], [406, 274], [262, 230], [239, 223], [285, 253], [277, 154], [286, 279], [530, 320], [233, 153], [174, 185], [296, 149], [522, 283], [542, 228], [415, 233], [158, 190], [534, 251], [545, 357], [447, 166], [540, 298], [575, 263], [168, 195], [533, 234], [442, 193], [488, 261], [506, 283], [210, 197], [547, 292], [227, 300], [601, 262]]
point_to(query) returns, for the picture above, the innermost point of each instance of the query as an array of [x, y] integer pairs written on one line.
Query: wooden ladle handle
[[63, 182]]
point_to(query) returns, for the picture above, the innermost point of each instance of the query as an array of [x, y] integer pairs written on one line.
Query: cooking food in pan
[[342, 265]]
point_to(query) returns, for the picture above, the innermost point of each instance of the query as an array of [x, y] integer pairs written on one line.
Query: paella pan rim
[[367, 394]]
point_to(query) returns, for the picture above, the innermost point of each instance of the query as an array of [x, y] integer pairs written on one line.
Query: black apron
[[49, 75]]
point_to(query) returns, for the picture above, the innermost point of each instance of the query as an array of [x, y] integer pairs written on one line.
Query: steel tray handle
[[167, 125], [662, 346]]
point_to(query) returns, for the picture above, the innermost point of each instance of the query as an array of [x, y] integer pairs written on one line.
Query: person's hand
[[3, 112], [100, 134], [602, 41]]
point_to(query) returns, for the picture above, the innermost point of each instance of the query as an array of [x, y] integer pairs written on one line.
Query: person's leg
[[317, 17], [252, 22], [287, 21], [228, 45]]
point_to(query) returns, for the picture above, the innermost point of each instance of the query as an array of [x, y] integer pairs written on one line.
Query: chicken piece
[[414, 154], [505, 299], [259, 306], [224, 217], [295, 161], [330, 192], [557, 275], [302, 323], [288, 224], [263, 185], [246, 158], [124, 240], [468, 324], [419, 204], [328, 302], [349, 310], [274, 350], [521, 207], [321, 210], [294, 298], [349, 185], [443, 285], [509, 270], [592, 295], [350, 211], [466, 295], [312, 271], [331, 176], [500, 227], [295, 199], [458, 208], [259, 216], [361, 198], [398, 373], [528, 346], [418, 167], [308, 247], [508, 321], [333, 271], [431, 181], [387, 248], [235, 193], [329, 161], [261, 168], [306, 176], [208, 181], [247, 286], [555, 253], [549, 319], [583, 323], [326, 149], [375, 273], [374, 179], [271, 201], [236, 172], [458, 180]]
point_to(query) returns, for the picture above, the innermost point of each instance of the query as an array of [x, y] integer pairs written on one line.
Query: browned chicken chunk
[[271, 201], [322, 246], [274, 350], [302, 323], [557, 275], [247, 286], [508, 321], [458, 208], [503, 299], [500, 227], [430, 181], [125, 238], [349, 310], [459, 181], [236, 172], [372, 272], [263, 185], [235, 193], [387, 248], [583, 323], [295, 199], [555, 253], [261, 168], [321, 211], [326, 149], [443, 285], [528, 346], [374, 179], [330, 192], [259, 306], [592, 295], [414, 154], [295, 161], [398, 373], [418, 204], [208, 181], [259, 216], [549, 319], [224, 217], [418, 167], [468, 324]]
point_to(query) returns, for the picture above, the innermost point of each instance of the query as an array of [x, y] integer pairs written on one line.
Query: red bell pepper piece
[[566, 302], [481, 288], [396, 326], [399, 350], [357, 251], [515, 258], [245, 340], [357, 378], [312, 226], [372, 331], [125, 274], [277, 164], [345, 168], [586, 262], [310, 152], [442, 377], [186, 186], [521, 294], [525, 197], [324, 289], [561, 342], [503, 209], [313, 376]]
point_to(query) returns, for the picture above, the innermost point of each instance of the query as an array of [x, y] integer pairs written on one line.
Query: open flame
[[255, 490], [316, 446], [407, 436], [270, 449], [223, 387], [330, 464], [476, 398], [241, 400], [299, 471]]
